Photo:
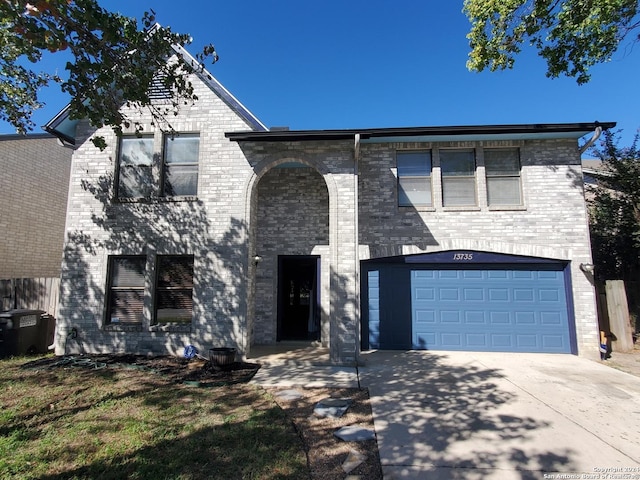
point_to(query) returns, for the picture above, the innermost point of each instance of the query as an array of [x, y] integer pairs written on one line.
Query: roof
[[428, 134], [28, 136], [63, 127], [595, 168]]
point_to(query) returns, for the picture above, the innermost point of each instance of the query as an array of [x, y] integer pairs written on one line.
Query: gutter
[[575, 130], [356, 220], [596, 135]]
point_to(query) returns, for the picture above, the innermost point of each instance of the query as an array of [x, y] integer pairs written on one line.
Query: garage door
[[513, 310], [498, 306]]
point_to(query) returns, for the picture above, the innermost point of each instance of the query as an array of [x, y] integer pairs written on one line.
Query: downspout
[[596, 135], [356, 158]]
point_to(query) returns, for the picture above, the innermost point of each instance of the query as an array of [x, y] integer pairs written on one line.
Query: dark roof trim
[[28, 136], [369, 133], [61, 125], [221, 91]]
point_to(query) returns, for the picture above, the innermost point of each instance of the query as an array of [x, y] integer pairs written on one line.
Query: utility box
[[25, 332]]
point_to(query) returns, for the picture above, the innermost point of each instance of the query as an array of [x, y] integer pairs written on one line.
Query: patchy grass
[[76, 423]]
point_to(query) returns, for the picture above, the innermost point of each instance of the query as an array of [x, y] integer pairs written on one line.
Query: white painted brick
[[246, 206]]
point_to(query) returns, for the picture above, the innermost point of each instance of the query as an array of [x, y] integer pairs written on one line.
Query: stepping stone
[[355, 434], [289, 395], [332, 407], [352, 461]]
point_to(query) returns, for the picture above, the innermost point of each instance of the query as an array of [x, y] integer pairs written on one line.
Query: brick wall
[[331, 165], [293, 219], [34, 180], [551, 223], [211, 227], [246, 206]]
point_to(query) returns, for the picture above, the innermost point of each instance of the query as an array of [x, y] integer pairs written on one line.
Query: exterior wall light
[[257, 259], [587, 268]]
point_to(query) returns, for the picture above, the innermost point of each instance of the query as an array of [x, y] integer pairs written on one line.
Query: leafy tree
[[113, 62], [614, 210], [571, 35]]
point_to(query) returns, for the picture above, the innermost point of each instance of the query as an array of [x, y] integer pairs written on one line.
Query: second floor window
[[138, 170], [502, 167], [135, 163], [458, 169], [181, 165], [414, 178]]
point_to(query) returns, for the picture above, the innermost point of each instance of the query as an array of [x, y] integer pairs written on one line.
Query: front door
[[298, 316]]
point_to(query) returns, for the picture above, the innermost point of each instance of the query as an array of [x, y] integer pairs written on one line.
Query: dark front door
[[298, 287]]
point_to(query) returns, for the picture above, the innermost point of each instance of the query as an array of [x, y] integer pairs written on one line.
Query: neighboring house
[[231, 235], [34, 182], [592, 170]]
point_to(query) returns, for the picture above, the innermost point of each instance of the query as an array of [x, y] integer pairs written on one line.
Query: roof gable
[[64, 127]]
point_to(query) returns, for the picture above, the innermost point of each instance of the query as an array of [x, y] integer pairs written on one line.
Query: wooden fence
[[30, 293], [618, 311]]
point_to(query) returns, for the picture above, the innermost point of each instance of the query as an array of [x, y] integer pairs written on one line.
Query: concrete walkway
[[465, 415], [292, 364]]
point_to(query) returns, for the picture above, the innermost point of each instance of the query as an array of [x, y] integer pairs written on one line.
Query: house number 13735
[[463, 256]]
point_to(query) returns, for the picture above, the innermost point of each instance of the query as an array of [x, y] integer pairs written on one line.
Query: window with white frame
[[174, 289], [458, 170], [135, 164], [180, 173], [414, 178], [502, 169], [126, 289]]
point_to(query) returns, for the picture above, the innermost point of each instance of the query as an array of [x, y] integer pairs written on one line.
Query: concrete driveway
[[454, 415]]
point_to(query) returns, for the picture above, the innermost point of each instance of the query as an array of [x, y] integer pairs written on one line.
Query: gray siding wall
[[34, 181]]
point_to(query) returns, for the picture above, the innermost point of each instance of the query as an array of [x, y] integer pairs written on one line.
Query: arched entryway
[[290, 237]]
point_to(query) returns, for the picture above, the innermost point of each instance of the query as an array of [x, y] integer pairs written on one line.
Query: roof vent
[[158, 91], [279, 129]]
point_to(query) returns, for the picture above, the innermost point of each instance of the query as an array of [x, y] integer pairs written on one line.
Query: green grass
[[75, 423]]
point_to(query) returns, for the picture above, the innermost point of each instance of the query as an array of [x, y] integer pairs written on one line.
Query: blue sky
[[376, 63]]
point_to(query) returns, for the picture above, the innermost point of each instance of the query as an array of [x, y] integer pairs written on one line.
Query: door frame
[[283, 260]]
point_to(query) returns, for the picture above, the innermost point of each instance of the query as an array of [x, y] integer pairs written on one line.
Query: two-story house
[[229, 234]]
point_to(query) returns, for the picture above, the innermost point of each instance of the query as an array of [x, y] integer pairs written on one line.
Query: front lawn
[[118, 423]]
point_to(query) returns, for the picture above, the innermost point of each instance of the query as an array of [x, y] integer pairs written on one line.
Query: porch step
[[290, 353]]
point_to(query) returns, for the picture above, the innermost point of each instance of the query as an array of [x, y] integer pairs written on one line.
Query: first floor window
[[414, 178], [174, 289], [458, 169], [502, 167], [181, 154], [126, 289], [135, 161]]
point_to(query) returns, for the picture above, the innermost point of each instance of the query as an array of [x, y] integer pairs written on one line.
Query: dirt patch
[[195, 372], [627, 362], [326, 453]]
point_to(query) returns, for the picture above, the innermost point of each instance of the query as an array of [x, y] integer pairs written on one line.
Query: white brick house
[[235, 235]]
